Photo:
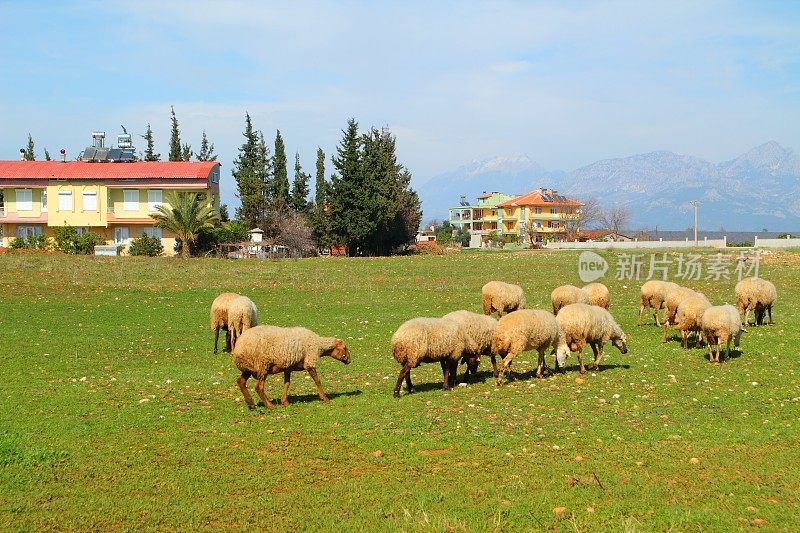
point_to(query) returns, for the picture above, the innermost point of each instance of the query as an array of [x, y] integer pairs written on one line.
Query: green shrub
[[67, 240], [31, 242], [742, 244], [17, 243], [146, 245]]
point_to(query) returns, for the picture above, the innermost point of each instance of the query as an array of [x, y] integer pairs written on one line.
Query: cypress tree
[[280, 185], [249, 180], [299, 198], [149, 151], [30, 155], [320, 218], [186, 152], [206, 150], [47, 155], [175, 153]]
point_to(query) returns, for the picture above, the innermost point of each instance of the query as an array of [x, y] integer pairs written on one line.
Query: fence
[[776, 243], [628, 245]]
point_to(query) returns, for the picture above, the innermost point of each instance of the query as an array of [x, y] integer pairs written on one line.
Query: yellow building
[[112, 199], [538, 215]]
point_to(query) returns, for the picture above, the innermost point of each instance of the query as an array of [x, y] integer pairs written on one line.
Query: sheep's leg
[[453, 372], [287, 378], [746, 312], [506, 365], [599, 352], [769, 311], [685, 337], [260, 391], [710, 352], [242, 382], [228, 347], [664, 337], [216, 338], [579, 353], [639, 318], [542, 366], [593, 364], [655, 316], [445, 375], [405, 373], [409, 385], [313, 373]]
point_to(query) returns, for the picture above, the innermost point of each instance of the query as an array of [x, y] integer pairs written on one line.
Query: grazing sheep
[[758, 295], [479, 330], [502, 297], [242, 315], [219, 318], [674, 298], [427, 340], [266, 350], [689, 318], [567, 294], [721, 323], [527, 329], [598, 295], [653, 294], [583, 323]]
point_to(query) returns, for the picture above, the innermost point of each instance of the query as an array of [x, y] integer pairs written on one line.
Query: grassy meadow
[[116, 415]]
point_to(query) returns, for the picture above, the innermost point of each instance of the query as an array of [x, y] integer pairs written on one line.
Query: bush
[[146, 245], [31, 242], [462, 236], [428, 248], [67, 240], [743, 244], [208, 238]]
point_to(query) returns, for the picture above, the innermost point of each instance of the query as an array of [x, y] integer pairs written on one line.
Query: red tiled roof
[[538, 198], [86, 170]]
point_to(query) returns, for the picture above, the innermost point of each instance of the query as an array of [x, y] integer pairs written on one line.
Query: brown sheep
[[654, 292], [219, 318]]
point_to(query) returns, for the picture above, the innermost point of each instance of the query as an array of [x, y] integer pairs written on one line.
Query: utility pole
[[696, 204]]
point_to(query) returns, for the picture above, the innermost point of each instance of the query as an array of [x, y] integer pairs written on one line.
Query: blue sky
[[566, 83]]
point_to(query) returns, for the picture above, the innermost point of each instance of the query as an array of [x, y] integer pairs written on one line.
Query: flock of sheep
[[580, 316], [691, 312]]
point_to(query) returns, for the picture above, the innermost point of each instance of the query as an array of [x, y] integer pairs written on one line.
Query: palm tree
[[185, 214]]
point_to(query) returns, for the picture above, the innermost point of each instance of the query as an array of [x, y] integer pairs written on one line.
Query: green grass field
[[116, 415]]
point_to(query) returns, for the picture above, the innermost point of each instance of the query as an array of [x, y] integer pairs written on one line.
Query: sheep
[[567, 294], [527, 329], [583, 323], [721, 323], [266, 350], [502, 297], [653, 294], [219, 318], [674, 298], [758, 295], [598, 295], [242, 315], [427, 340], [479, 330], [689, 318]]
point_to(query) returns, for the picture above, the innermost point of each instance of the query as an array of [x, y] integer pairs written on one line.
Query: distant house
[[425, 236], [603, 235], [535, 216]]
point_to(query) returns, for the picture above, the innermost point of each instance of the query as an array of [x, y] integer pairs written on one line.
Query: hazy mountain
[[759, 189]]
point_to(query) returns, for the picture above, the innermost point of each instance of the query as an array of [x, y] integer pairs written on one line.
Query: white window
[[554, 210], [158, 233], [81, 230], [131, 199], [65, 200], [537, 210], [90, 200], [121, 235], [154, 199], [29, 231], [44, 200], [538, 224], [24, 200]]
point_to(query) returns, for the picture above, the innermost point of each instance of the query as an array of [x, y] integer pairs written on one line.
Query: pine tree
[[350, 222], [47, 155], [30, 155], [280, 184], [299, 197], [149, 151], [206, 150], [186, 152], [248, 170], [320, 219]]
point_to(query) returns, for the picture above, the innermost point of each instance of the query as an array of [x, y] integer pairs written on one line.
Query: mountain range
[[760, 189]]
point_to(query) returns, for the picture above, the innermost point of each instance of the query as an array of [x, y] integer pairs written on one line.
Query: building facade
[[113, 199], [536, 216]]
